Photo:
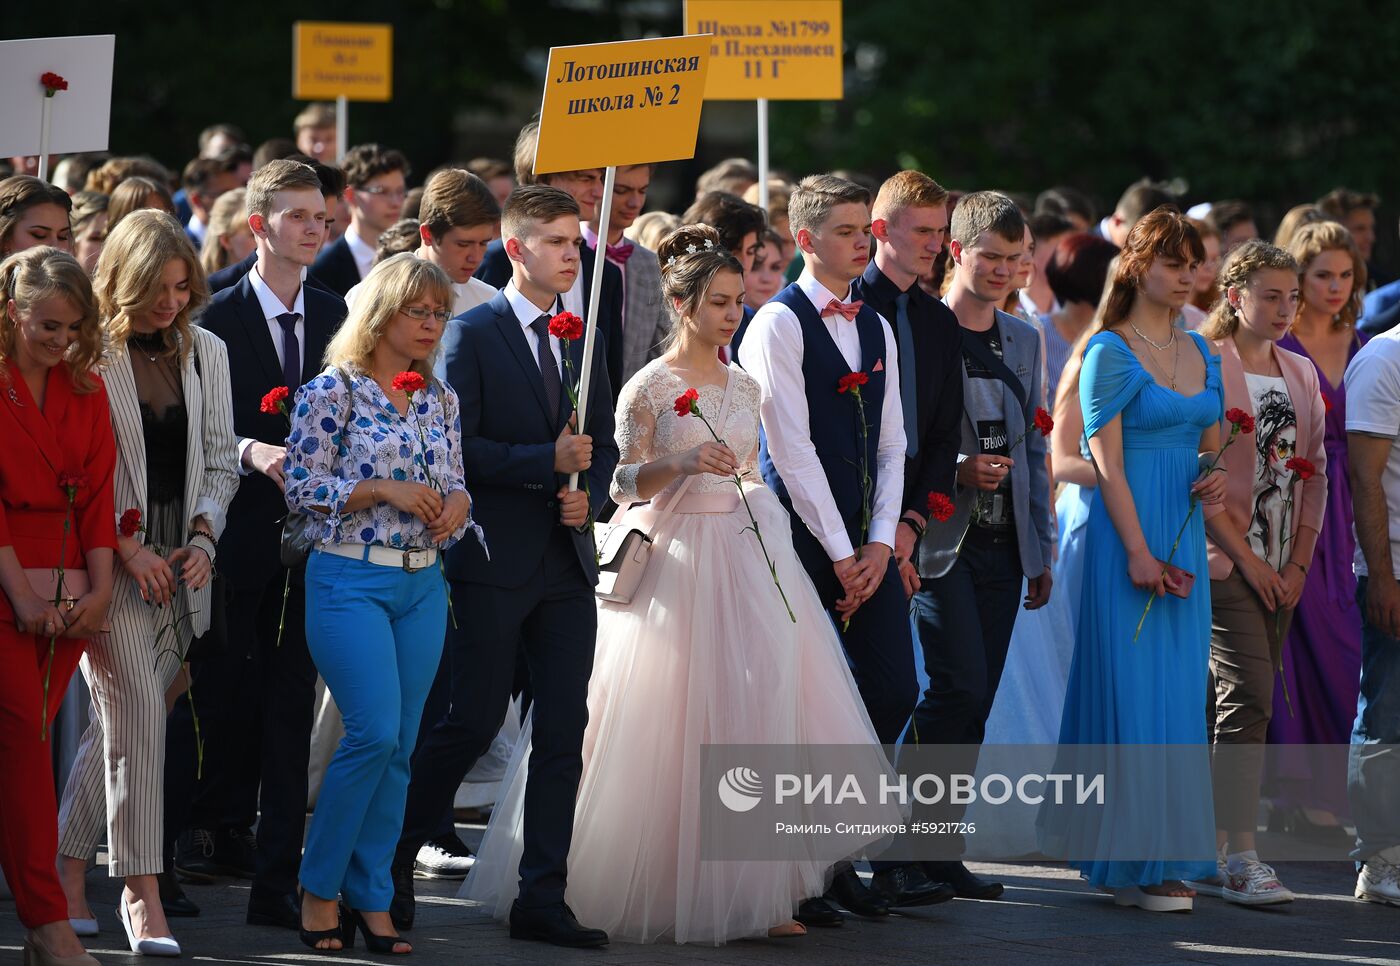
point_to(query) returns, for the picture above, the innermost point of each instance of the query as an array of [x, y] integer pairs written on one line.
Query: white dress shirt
[[197, 229], [772, 354], [362, 250], [527, 312], [272, 307]]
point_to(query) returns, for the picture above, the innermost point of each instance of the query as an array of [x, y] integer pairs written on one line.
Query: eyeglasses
[[379, 191], [422, 314]]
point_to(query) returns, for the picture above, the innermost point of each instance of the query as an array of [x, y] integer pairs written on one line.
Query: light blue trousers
[[376, 635]]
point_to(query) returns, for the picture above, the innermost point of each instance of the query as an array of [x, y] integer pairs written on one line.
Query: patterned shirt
[[424, 446]]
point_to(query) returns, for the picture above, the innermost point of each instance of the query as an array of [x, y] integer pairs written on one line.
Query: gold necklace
[[1176, 358]]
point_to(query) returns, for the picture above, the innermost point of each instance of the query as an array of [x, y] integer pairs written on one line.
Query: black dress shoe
[[816, 911], [907, 886], [850, 893], [196, 855], [237, 852], [173, 900], [402, 908], [269, 908], [553, 924], [965, 884]]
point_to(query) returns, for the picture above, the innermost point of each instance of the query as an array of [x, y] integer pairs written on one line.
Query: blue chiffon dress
[[1151, 691]]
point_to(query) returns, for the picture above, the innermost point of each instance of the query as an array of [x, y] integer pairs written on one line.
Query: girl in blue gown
[[1151, 397]]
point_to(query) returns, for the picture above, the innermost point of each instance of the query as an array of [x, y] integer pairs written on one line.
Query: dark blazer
[[335, 267], [231, 275], [495, 271], [508, 438], [249, 545], [937, 371], [739, 333]]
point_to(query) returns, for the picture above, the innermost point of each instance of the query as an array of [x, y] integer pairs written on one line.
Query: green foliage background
[[1274, 102]]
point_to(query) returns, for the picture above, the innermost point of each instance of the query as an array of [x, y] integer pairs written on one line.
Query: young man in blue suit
[[533, 599], [586, 188], [376, 179], [256, 701]]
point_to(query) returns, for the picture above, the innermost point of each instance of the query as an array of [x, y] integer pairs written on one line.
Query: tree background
[[1275, 103]]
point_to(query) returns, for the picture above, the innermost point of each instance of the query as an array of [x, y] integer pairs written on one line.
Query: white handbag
[[625, 548]]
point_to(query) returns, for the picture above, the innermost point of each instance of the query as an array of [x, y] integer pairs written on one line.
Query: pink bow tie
[[620, 252], [847, 310]]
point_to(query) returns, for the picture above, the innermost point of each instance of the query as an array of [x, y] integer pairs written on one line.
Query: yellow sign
[[631, 102], [784, 50], [350, 60]]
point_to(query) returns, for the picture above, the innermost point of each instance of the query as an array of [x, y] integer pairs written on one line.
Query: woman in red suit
[[54, 421]]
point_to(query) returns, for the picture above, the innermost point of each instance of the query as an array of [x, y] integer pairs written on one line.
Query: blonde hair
[[129, 272], [134, 194], [1239, 267], [650, 227], [226, 217], [1297, 217], [43, 272], [389, 286], [1329, 236]]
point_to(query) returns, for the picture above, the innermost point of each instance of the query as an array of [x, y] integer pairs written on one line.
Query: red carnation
[[130, 523], [52, 83], [566, 326], [1241, 420], [685, 403], [1303, 468], [851, 380], [1043, 422], [940, 507], [275, 401], [409, 382]]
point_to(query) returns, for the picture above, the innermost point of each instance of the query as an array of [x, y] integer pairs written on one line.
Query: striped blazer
[[211, 452]]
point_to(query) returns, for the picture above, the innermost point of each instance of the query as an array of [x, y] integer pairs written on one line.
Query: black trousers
[[256, 705], [552, 622]]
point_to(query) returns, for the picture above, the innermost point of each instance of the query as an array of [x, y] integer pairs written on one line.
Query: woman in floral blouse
[[374, 457]]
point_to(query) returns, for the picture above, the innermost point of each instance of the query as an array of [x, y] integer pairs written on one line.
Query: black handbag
[[296, 527]]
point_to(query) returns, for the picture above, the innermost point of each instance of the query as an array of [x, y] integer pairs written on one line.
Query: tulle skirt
[[705, 654]]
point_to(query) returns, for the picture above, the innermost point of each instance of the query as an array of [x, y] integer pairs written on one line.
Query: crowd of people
[[296, 457]]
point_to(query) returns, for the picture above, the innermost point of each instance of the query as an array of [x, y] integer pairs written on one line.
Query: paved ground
[[1046, 917]]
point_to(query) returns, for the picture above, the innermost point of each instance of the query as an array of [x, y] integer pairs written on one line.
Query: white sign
[[81, 115]]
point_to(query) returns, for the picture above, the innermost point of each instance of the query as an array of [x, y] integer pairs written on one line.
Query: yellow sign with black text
[[630, 102], [784, 50], [350, 60]]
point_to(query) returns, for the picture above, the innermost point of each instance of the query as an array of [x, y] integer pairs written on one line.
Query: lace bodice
[[648, 428]]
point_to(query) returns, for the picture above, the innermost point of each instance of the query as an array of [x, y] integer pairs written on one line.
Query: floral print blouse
[[424, 445]]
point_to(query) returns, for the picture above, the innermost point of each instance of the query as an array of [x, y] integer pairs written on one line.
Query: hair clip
[[691, 249], [709, 244], [670, 262]]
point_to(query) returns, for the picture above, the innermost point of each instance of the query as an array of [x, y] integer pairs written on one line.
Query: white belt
[[411, 560]]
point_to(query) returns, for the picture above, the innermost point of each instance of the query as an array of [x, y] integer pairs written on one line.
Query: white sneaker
[[1379, 881], [1214, 885], [1255, 884], [436, 862]]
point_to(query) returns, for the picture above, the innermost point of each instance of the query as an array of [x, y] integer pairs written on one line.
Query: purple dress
[[1322, 653]]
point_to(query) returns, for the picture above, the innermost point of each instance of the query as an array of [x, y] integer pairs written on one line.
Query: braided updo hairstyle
[[691, 257]]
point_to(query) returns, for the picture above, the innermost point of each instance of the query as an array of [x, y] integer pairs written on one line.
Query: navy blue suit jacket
[[335, 267], [495, 271], [231, 275], [508, 437], [249, 544]]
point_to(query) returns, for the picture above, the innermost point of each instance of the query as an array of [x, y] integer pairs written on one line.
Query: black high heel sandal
[[344, 931], [374, 942]]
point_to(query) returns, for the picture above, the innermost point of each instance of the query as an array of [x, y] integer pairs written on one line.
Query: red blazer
[[1310, 498], [72, 434]]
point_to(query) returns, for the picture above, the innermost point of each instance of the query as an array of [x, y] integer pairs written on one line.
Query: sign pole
[[595, 292], [763, 153], [342, 128]]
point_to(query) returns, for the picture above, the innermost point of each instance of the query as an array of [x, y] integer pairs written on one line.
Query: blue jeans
[[376, 635], [1373, 772]]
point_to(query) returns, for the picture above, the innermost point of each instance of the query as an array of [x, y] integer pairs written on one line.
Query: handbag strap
[[680, 491]]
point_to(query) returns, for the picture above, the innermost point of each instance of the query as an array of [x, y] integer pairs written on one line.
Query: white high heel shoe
[[84, 927], [160, 946]]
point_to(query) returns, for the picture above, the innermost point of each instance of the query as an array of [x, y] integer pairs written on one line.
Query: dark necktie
[[291, 351], [908, 387], [549, 368]]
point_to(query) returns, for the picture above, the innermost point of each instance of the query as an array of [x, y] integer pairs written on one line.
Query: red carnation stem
[[772, 568]]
